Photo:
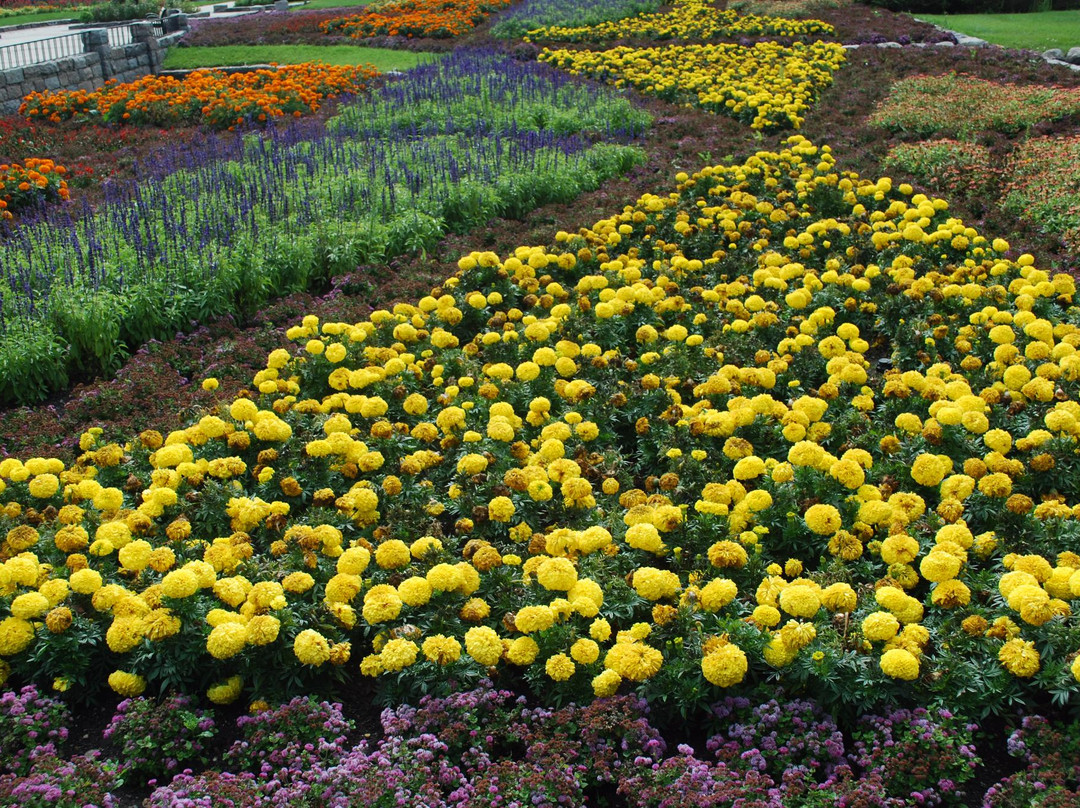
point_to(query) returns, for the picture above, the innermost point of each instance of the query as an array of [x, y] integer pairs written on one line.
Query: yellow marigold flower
[[880, 626], [900, 664], [181, 583], [635, 661], [749, 468], [297, 582], [823, 519], [445, 577], [16, 635], [839, 597], [950, 594], [717, 594], [86, 581], [606, 683], [585, 651], [225, 692], [559, 667], [728, 554], [262, 629], [534, 618], [501, 509], [1020, 658], [522, 651], [392, 554], [725, 666], [398, 654], [381, 603], [654, 584], [483, 645], [128, 685], [939, 566], [645, 536], [928, 470], [354, 561], [799, 600], [557, 574], [29, 606], [600, 630], [311, 648], [226, 640]]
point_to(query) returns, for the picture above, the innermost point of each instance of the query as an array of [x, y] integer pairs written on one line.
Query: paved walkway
[[48, 42]]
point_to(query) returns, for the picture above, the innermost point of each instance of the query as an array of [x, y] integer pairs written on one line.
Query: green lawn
[[383, 59], [1039, 32], [40, 16]]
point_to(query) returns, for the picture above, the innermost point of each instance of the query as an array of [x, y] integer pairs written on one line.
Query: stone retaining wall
[[98, 63]]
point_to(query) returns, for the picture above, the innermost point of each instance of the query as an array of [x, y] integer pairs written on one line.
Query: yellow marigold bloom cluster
[[688, 19], [680, 433], [766, 86]]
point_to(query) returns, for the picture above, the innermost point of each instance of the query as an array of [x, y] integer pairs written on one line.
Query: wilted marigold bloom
[[58, 620]]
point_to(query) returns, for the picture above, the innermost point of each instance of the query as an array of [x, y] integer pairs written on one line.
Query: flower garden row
[[631, 463], [483, 747], [262, 213], [216, 99]]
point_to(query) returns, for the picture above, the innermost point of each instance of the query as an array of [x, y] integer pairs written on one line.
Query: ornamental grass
[[219, 100], [779, 424]]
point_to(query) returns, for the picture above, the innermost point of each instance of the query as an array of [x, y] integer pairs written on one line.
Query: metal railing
[[41, 50], [119, 35]]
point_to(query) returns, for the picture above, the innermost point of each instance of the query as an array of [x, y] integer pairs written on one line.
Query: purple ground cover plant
[[924, 755], [159, 738], [1052, 776], [30, 724]]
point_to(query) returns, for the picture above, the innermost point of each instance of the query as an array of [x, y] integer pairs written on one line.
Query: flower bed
[[224, 228], [31, 185], [1042, 184], [767, 86], [688, 19], [946, 106], [415, 18], [517, 21], [880, 535], [950, 167], [216, 99]]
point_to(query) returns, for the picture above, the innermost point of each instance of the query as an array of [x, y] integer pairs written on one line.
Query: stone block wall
[[98, 63]]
